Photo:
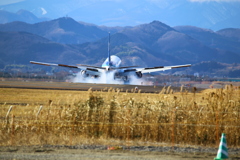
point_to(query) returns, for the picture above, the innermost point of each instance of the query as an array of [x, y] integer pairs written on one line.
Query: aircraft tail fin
[[109, 56]]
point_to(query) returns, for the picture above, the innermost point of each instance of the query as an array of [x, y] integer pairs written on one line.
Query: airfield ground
[[101, 152], [74, 86], [84, 86], [72, 153]]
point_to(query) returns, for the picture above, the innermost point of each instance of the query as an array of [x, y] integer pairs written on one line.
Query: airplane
[[112, 65]]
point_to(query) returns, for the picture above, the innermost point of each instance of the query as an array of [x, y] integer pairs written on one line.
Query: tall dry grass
[[115, 117]]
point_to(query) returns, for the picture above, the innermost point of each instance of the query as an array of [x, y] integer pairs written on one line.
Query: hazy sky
[[5, 2], [214, 0]]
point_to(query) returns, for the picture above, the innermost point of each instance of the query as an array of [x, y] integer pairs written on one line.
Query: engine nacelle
[[139, 74], [89, 73], [84, 73]]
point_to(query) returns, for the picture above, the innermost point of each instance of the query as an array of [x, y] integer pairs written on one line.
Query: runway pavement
[[79, 86]]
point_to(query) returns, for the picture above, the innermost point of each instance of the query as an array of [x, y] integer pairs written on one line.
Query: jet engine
[[139, 74], [90, 73], [84, 73]]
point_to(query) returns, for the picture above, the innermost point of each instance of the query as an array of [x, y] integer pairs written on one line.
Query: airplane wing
[[88, 70], [82, 67], [52, 64], [160, 68], [85, 69]]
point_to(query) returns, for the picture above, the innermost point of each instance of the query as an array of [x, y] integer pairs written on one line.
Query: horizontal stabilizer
[[83, 65], [126, 67]]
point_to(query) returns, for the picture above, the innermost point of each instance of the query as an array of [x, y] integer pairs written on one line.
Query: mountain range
[[211, 14], [67, 41], [65, 30]]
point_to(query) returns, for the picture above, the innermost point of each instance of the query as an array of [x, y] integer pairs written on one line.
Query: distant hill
[[233, 33], [22, 47], [217, 69], [227, 39], [21, 15], [62, 30]]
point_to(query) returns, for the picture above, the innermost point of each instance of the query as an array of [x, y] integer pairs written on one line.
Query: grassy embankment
[[119, 118]]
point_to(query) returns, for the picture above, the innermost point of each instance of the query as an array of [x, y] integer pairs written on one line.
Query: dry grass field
[[56, 117]]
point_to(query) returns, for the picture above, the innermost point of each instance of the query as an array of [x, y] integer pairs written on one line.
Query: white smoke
[[108, 78], [133, 80]]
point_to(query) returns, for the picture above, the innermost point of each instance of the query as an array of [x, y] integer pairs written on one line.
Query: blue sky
[[5, 2]]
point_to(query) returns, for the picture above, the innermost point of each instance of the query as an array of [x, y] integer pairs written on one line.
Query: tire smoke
[[107, 78]]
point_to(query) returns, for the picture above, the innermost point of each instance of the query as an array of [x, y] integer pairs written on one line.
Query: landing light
[[107, 68]]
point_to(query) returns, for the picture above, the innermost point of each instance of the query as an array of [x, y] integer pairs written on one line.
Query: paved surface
[[79, 86], [92, 152], [84, 152]]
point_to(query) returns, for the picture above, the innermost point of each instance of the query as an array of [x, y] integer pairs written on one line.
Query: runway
[[79, 86]]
